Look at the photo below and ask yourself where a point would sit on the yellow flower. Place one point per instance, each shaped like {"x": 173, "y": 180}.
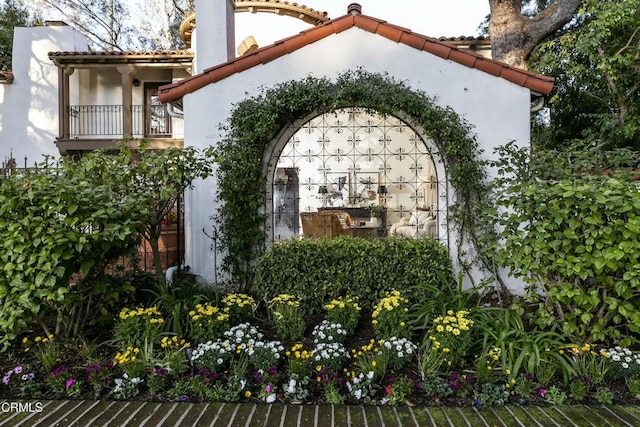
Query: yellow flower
{"x": 247, "y": 393}
{"x": 373, "y": 363}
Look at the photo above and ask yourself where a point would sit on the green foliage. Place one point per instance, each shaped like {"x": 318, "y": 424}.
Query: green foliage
{"x": 58, "y": 222}
{"x": 595, "y": 63}
{"x": 603, "y": 396}
{"x": 320, "y": 269}
{"x": 574, "y": 238}
{"x": 160, "y": 178}
{"x": 288, "y": 316}
{"x": 518, "y": 346}
{"x": 256, "y": 122}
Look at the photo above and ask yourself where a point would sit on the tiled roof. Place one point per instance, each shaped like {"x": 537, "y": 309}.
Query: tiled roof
{"x": 122, "y": 56}
{"x": 532, "y": 81}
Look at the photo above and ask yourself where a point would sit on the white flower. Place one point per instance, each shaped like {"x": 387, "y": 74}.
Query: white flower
{"x": 625, "y": 365}
{"x": 383, "y": 401}
{"x": 219, "y": 361}
{"x": 358, "y": 394}
{"x": 292, "y": 386}
{"x": 136, "y": 380}
{"x": 271, "y": 398}
{"x": 370, "y": 375}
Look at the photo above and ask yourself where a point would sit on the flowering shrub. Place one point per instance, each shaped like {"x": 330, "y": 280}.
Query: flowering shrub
{"x": 297, "y": 387}
{"x": 265, "y": 354}
{"x": 332, "y": 355}
{"x": 126, "y": 387}
{"x": 369, "y": 358}
{"x": 138, "y": 327}
{"x": 389, "y": 316}
{"x": 299, "y": 361}
{"x": 623, "y": 363}
{"x": 208, "y": 322}
{"x": 98, "y": 376}
{"x": 451, "y": 336}
{"x": 174, "y": 358}
{"x": 60, "y": 381}
{"x": 328, "y": 332}
{"x": 363, "y": 387}
{"x": 45, "y": 348}
{"x": 239, "y": 307}
{"x": 345, "y": 311}
{"x": 130, "y": 362}
{"x": 22, "y": 382}
{"x": 267, "y": 380}
{"x": 242, "y": 341}
{"x": 398, "y": 390}
{"x": 287, "y": 316}
{"x": 398, "y": 352}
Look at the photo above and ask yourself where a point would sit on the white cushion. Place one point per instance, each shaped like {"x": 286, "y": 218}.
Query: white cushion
{"x": 420, "y": 217}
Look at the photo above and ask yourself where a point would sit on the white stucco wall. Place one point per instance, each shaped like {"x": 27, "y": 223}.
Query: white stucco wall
{"x": 497, "y": 108}
{"x": 29, "y": 106}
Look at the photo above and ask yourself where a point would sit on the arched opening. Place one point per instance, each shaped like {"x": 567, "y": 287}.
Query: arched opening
{"x": 359, "y": 162}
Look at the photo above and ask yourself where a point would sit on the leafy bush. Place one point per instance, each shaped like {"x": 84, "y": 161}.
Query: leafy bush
{"x": 57, "y": 222}
{"x": 574, "y": 238}
{"x": 321, "y": 269}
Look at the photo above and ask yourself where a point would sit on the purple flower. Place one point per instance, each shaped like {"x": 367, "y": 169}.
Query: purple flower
{"x": 542, "y": 392}
{"x": 268, "y": 388}
{"x": 272, "y": 370}
{"x": 70, "y": 383}
{"x": 17, "y": 369}
{"x": 31, "y": 376}
{"x": 183, "y": 398}
{"x": 6, "y": 379}
{"x": 478, "y": 403}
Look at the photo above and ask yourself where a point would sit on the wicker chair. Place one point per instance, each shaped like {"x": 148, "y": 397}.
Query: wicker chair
{"x": 325, "y": 224}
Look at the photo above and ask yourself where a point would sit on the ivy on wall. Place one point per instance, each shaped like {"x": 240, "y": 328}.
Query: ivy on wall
{"x": 256, "y": 122}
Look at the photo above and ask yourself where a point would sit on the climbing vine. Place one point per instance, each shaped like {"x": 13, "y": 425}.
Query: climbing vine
{"x": 256, "y": 122}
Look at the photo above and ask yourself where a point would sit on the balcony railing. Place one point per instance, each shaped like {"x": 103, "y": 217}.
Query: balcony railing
{"x": 91, "y": 121}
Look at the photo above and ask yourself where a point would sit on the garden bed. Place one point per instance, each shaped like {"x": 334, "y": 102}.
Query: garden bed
{"x": 119, "y": 365}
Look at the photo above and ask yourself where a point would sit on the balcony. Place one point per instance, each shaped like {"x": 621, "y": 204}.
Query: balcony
{"x": 93, "y": 127}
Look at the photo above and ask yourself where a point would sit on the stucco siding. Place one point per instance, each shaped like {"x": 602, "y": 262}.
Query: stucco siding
{"x": 498, "y": 109}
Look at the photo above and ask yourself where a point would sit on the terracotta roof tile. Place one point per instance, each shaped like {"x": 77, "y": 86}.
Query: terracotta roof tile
{"x": 438, "y": 47}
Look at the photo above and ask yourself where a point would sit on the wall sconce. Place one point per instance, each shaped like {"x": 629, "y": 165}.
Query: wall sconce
{"x": 135, "y": 82}
{"x": 322, "y": 191}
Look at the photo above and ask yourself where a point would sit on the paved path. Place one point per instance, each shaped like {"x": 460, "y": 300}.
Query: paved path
{"x": 83, "y": 413}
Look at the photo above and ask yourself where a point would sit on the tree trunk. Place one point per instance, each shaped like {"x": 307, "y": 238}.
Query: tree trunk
{"x": 514, "y": 35}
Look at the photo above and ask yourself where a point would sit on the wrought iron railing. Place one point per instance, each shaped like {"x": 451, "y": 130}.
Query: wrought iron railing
{"x": 87, "y": 121}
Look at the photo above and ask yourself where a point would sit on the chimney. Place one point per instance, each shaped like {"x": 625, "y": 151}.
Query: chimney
{"x": 213, "y": 40}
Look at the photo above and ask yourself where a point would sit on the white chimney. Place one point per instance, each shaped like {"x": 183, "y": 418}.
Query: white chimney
{"x": 213, "y": 40}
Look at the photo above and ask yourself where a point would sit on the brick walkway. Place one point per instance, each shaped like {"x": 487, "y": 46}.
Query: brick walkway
{"x": 83, "y": 413}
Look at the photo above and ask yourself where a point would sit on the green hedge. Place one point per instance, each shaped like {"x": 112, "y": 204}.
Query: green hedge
{"x": 322, "y": 269}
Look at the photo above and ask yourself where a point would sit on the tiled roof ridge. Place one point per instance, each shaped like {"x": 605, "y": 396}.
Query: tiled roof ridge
{"x": 535, "y": 82}
{"x": 122, "y": 53}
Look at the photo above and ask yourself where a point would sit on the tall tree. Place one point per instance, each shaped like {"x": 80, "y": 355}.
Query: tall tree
{"x": 13, "y": 13}
{"x": 515, "y": 31}
{"x": 124, "y": 25}
{"x": 104, "y": 22}
{"x": 596, "y": 62}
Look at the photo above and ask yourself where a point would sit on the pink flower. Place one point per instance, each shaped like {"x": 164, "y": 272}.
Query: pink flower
{"x": 388, "y": 389}
{"x": 543, "y": 392}
{"x": 70, "y": 383}
{"x": 268, "y": 389}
